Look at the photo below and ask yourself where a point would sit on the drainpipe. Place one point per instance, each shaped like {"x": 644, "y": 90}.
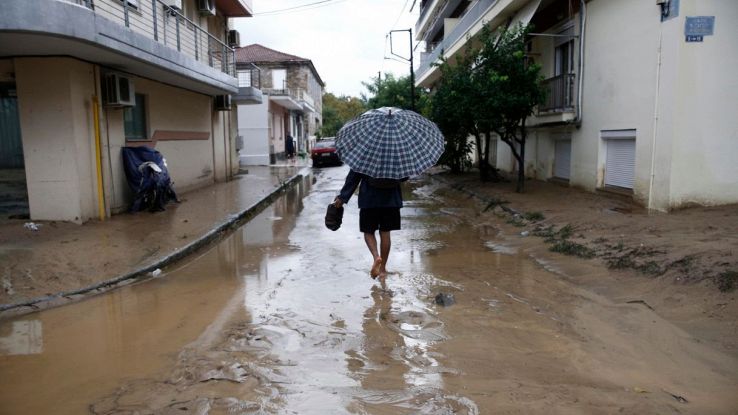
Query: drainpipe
{"x": 582, "y": 27}
{"x": 655, "y": 124}
{"x": 98, "y": 152}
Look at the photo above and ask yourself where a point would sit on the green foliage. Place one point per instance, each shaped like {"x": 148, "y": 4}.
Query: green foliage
{"x": 533, "y": 216}
{"x": 394, "y": 92}
{"x": 727, "y": 281}
{"x": 491, "y": 89}
{"x": 337, "y": 111}
{"x": 568, "y": 247}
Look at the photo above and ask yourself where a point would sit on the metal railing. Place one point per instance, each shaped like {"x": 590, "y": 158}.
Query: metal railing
{"x": 168, "y": 26}
{"x": 298, "y": 94}
{"x": 248, "y": 75}
{"x": 466, "y": 21}
{"x": 559, "y": 93}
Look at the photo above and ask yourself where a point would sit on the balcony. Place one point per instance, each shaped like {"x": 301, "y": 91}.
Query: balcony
{"x": 466, "y": 21}
{"x": 249, "y": 85}
{"x": 293, "y": 99}
{"x": 559, "y": 94}
{"x": 151, "y": 40}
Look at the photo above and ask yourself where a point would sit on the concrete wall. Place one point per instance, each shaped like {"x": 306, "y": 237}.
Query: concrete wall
{"x": 55, "y": 111}
{"x": 253, "y": 126}
{"x": 191, "y": 163}
{"x": 699, "y": 99}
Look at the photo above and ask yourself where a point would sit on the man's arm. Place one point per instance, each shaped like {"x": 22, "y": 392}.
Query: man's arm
{"x": 349, "y": 187}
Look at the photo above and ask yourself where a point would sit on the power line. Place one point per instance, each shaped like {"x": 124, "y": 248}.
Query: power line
{"x": 303, "y": 7}
{"x": 399, "y": 15}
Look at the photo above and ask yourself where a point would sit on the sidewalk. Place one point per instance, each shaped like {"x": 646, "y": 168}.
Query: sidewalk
{"x": 63, "y": 260}
{"x": 695, "y": 245}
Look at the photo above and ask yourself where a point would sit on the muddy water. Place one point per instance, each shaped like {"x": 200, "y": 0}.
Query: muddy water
{"x": 282, "y": 317}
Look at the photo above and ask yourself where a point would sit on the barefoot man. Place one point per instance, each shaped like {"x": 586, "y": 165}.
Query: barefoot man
{"x": 380, "y": 201}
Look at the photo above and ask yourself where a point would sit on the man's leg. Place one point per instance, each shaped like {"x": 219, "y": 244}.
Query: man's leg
{"x": 385, "y": 245}
{"x": 371, "y": 243}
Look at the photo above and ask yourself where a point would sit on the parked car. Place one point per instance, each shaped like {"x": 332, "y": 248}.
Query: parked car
{"x": 324, "y": 153}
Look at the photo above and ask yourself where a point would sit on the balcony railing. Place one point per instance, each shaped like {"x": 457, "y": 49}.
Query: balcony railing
{"x": 559, "y": 93}
{"x": 166, "y": 25}
{"x": 249, "y": 76}
{"x": 470, "y": 16}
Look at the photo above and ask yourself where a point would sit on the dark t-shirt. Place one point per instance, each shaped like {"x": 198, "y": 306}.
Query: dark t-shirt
{"x": 370, "y": 196}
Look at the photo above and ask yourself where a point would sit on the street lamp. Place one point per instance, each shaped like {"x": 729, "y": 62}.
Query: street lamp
{"x": 412, "y": 73}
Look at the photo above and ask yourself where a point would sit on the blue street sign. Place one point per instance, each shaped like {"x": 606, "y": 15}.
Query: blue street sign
{"x": 699, "y": 26}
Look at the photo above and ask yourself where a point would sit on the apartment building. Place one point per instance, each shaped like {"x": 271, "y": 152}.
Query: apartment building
{"x": 641, "y": 94}
{"x": 80, "y": 79}
{"x": 293, "y": 105}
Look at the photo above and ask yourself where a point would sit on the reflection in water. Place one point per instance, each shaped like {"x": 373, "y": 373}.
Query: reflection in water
{"x": 26, "y": 337}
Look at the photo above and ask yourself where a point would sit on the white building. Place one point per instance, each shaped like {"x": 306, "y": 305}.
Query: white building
{"x": 81, "y": 79}
{"x": 642, "y": 94}
{"x": 293, "y": 107}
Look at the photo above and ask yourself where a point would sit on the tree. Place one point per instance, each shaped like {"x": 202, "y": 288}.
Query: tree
{"x": 395, "y": 92}
{"x": 451, "y": 109}
{"x": 509, "y": 88}
{"x": 337, "y": 111}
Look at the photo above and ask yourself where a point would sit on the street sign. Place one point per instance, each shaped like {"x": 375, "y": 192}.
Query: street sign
{"x": 699, "y": 26}
{"x": 693, "y": 38}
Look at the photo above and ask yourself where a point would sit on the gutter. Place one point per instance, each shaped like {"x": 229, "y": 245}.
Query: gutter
{"x": 580, "y": 87}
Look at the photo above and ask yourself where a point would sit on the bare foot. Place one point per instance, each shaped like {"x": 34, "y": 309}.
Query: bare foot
{"x": 376, "y": 268}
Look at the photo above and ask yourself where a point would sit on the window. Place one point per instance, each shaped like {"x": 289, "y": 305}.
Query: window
{"x": 565, "y": 58}
{"x": 134, "y": 120}
{"x": 279, "y": 78}
{"x": 244, "y": 78}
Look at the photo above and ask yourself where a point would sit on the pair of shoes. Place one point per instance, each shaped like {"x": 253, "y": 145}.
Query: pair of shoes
{"x": 376, "y": 268}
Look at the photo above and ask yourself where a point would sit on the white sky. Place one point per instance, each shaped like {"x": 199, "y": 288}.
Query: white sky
{"x": 345, "y": 39}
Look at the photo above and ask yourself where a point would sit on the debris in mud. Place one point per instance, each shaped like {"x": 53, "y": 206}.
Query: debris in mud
{"x": 31, "y": 226}
{"x": 679, "y": 399}
{"x": 641, "y": 302}
{"x": 524, "y": 233}
{"x": 155, "y": 273}
{"x": 445, "y": 299}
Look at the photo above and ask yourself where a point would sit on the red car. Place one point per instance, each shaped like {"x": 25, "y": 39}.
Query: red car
{"x": 324, "y": 153}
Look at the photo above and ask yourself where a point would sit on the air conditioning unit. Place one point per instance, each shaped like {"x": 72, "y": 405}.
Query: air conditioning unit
{"x": 234, "y": 38}
{"x": 206, "y": 7}
{"x": 222, "y": 102}
{"x": 174, "y": 4}
{"x": 118, "y": 91}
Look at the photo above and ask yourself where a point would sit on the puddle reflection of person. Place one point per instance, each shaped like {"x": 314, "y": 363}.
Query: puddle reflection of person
{"x": 380, "y": 201}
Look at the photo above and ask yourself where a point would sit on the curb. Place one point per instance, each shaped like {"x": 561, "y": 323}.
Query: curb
{"x": 463, "y": 189}
{"x": 144, "y": 273}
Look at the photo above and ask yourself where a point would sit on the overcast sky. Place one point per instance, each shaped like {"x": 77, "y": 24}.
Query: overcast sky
{"x": 345, "y": 39}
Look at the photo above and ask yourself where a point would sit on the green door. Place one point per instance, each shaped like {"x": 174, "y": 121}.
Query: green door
{"x": 11, "y": 147}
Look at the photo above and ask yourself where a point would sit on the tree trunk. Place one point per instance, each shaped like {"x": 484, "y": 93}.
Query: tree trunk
{"x": 521, "y": 160}
{"x": 478, "y": 138}
{"x": 484, "y": 166}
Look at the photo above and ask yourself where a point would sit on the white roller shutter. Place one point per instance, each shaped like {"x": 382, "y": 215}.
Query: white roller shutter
{"x": 562, "y": 159}
{"x": 620, "y": 163}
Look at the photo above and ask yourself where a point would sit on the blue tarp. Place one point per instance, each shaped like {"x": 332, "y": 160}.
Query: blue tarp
{"x": 151, "y": 186}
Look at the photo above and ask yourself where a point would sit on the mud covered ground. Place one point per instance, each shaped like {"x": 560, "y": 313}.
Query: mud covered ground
{"x": 282, "y": 317}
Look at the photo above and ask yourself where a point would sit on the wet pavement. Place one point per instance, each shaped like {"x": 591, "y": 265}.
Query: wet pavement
{"x": 282, "y": 317}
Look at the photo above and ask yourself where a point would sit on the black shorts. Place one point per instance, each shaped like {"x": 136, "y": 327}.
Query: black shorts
{"x": 384, "y": 219}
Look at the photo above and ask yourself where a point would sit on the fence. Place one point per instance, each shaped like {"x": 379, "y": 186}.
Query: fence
{"x": 166, "y": 25}
{"x": 559, "y": 93}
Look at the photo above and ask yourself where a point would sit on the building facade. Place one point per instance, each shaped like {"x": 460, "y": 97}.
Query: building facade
{"x": 293, "y": 107}
{"x": 82, "y": 79}
{"x": 641, "y": 97}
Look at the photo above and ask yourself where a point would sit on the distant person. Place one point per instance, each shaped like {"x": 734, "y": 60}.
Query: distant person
{"x": 380, "y": 201}
{"x": 289, "y": 145}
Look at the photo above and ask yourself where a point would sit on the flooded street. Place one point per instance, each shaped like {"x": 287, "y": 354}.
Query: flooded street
{"x": 282, "y": 317}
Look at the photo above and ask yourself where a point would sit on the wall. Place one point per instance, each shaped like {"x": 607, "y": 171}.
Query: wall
{"x": 172, "y": 110}
{"x": 54, "y": 99}
{"x": 701, "y": 76}
{"x": 253, "y": 126}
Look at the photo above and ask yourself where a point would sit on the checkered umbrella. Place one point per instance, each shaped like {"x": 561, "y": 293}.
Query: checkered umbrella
{"x": 390, "y": 143}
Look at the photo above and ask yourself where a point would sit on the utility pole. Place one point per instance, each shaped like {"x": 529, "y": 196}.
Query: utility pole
{"x": 412, "y": 72}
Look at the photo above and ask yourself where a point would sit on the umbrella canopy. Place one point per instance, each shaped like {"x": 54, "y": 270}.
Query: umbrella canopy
{"x": 390, "y": 143}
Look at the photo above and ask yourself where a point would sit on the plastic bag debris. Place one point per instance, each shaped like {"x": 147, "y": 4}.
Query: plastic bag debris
{"x": 31, "y": 226}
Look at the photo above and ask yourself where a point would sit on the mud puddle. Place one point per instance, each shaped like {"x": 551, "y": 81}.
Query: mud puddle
{"x": 282, "y": 318}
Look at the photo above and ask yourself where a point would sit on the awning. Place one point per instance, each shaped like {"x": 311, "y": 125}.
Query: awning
{"x": 525, "y": 14}
{"x": 285, "y": 101}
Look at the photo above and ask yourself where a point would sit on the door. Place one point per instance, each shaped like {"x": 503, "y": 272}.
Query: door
{"x": 14, "y": 200}
{"x": 562, "y": 159}
{"x": 11, "y": 146}
{"x": 620, "y": 163}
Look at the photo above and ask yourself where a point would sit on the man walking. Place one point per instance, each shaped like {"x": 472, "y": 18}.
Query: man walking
{"x": 380, "y": 201}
